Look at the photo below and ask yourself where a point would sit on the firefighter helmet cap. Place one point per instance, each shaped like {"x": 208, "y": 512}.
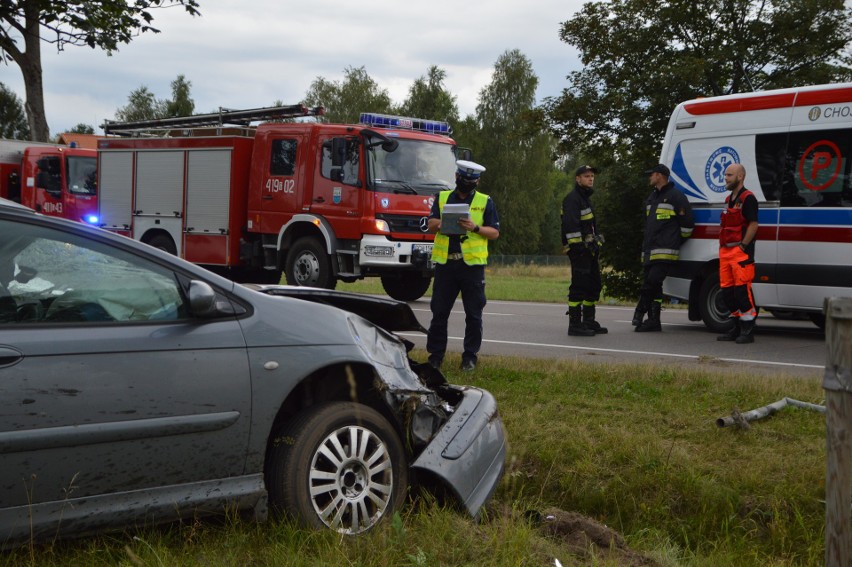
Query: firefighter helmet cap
{"x": 584, "y": 168}
{"x": 659, "y": 168}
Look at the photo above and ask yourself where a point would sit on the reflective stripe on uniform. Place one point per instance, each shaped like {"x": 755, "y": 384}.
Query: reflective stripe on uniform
{"x": 574, "y": 237}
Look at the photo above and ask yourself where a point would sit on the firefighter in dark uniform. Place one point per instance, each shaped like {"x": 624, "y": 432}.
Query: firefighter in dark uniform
{"x": 668, "y": 223}
{"x": 582, "y": 243}
{"x": 736, "y": 255}
{"x": 460, "y": 261}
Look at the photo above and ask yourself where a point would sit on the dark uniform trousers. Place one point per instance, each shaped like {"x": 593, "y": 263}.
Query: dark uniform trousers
{"x": 451, "y": 278}
{"x": 652, "y": 285}
{"x": 585, "y": 275}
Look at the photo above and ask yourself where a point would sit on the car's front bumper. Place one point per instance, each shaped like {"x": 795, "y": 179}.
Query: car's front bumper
{"x": 469, "y": 451}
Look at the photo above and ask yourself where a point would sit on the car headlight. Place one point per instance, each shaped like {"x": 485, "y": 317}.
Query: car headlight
{"x": 379, "y": 345}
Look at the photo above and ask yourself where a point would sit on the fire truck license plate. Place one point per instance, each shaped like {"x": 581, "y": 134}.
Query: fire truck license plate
{"x": 425, "y": 249}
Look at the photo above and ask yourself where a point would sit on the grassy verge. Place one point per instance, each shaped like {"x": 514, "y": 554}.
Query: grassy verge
{"x": 632, "y": 447}
{"x": 544, "y": 284}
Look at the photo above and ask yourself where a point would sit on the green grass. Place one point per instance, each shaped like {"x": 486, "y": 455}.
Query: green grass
{"x": 542, "y": 284}
{"x": 633, "y": 447}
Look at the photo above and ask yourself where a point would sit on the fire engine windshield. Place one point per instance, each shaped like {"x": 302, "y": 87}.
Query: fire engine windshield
{"x": 415, "y": 167}
{"x": 82, "y": 175}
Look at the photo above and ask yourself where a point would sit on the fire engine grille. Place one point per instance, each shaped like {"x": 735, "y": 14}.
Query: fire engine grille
{"x": 405, "y": 223}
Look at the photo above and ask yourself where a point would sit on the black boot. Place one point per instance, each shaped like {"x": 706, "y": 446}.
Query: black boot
{"x": 652, "y": 323}
{"x": 589, "y": 320}
{"x": 733, "y": 333}
{"x": 639, "y": 314}
{"x": 746, "y": 332}
{"x": 575, "y": 324}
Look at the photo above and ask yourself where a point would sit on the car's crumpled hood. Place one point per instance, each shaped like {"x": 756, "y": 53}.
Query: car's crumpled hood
{"x": 389, "y": 314}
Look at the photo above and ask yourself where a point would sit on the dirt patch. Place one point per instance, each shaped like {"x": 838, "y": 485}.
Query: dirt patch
{"x": 586, "y": 537}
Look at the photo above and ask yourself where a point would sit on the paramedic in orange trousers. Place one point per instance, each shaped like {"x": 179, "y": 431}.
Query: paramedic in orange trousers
{"x": 736, "y": 255}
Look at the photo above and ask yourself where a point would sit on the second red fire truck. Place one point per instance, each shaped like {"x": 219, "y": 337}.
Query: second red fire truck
{"x": 53, "y": 179}
{"x": 317, "y": 202}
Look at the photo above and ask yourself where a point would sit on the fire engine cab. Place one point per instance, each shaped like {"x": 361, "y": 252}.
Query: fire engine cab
{"x": 54, "y": 179}
{"x": 795, "y": 145}
{"x": 319, "y": 202}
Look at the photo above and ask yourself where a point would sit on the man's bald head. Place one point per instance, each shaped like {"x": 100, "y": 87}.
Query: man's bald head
{"x": 734, "y": 176}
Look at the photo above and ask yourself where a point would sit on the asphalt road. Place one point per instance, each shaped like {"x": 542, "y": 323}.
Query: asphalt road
{"x": 539, "y": 330}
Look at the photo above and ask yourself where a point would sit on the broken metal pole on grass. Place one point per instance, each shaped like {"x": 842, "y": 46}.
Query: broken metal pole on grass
{"x": 759, "y": 413}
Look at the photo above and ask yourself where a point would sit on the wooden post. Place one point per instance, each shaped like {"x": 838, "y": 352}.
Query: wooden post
{"x": 837, "y": 383}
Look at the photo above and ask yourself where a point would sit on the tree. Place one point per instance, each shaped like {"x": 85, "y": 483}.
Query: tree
{"x": 344, "y": 101}
{"x": 104, "y": 24}
{"x": 429, "y": 99}
{"x": 142, "y": 104}
{"x": 181, "y": 103}
{"x": 641, "y": 58}
{"x": 13, "y": 120}
{"x": 82, "y": 128}
{"x": 516, "y": 148}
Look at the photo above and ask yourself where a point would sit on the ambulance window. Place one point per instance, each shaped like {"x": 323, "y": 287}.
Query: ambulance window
{"x": 283, "y": 159}
{"x": 771, "y": 156}
{"x": 818, "y": 168}
{"x": 350, "y": 166}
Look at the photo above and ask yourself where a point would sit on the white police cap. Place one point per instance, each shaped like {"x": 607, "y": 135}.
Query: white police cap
{"x": 469, "y": 169}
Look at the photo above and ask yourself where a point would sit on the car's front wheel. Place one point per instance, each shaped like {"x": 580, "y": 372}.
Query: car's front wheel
{"x": 339, "y": 465}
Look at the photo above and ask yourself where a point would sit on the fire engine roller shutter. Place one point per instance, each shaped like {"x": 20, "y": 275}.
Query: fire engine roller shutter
{"x": 159, "y": 183}
{"x": 116, "y": 188}
{"x": 208, "y": 191}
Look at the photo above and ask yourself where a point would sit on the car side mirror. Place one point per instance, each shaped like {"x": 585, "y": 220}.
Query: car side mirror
{"x": 202, "y": 299}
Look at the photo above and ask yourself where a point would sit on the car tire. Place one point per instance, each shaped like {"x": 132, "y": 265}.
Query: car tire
{"x": 315, "y": 474}
{"x": 714, "y": 312}
{"x": 309, "y": 265}
{"x": 406, "y": 286}
{"x": 163, "y": 242}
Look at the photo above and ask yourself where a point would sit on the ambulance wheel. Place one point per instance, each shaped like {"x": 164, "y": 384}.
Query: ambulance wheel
{"x": 309, "y": 265}
{"x": 714, "y": 312}
{"x": 406, "y": 286}
{"x": 164, "y": 242}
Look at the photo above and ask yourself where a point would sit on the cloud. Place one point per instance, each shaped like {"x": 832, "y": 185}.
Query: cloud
{"x": 250, "y": 53}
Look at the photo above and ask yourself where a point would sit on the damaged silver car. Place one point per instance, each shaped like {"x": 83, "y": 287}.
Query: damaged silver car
{"x": 137, "y": 387}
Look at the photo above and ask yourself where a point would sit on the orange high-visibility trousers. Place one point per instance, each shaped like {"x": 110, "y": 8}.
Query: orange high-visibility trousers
{"x": 736, "y": 272}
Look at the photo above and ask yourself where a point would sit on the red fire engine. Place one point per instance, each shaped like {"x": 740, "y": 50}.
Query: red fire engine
{"x": 53, "y": 179}
{"x": 318, "y": 202}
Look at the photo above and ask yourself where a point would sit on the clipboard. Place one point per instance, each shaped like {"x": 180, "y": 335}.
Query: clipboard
{"x": 450, "y": 217}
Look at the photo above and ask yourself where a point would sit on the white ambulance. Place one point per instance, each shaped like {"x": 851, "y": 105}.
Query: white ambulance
{"x": 795, "y": 145}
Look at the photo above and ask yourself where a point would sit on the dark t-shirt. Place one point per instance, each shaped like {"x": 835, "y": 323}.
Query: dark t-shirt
{"x": 490, "y": 217}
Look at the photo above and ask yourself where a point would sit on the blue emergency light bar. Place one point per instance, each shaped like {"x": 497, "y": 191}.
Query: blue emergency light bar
{"x": 403, "y": 123}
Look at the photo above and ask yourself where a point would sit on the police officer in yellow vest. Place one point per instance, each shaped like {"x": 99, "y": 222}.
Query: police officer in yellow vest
{"x": 460, "y": 261}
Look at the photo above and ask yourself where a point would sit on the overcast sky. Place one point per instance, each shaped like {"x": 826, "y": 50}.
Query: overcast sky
{"x": 249, "y": 53}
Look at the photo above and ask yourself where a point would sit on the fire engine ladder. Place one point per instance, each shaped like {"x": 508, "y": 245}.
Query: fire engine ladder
{"x": 224, "y": 117}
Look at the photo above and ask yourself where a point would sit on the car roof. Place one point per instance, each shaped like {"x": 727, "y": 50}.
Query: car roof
{"x": 6, "y": 203}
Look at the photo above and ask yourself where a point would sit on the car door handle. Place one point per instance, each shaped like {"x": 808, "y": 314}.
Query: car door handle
{"x": 9, "y": 356}
{"x": 319, "y": 200}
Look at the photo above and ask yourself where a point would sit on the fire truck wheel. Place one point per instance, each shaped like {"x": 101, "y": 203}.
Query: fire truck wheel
{"x": 309, "y": 265}
{"x": 714, "y": 312}
{"x": 406, "y": 286}
{"x": 164, "y": 242}
{"x": 338, "y": 465}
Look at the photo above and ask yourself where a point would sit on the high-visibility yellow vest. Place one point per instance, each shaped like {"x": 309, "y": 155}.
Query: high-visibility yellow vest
{"x": 475, "y": 247}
